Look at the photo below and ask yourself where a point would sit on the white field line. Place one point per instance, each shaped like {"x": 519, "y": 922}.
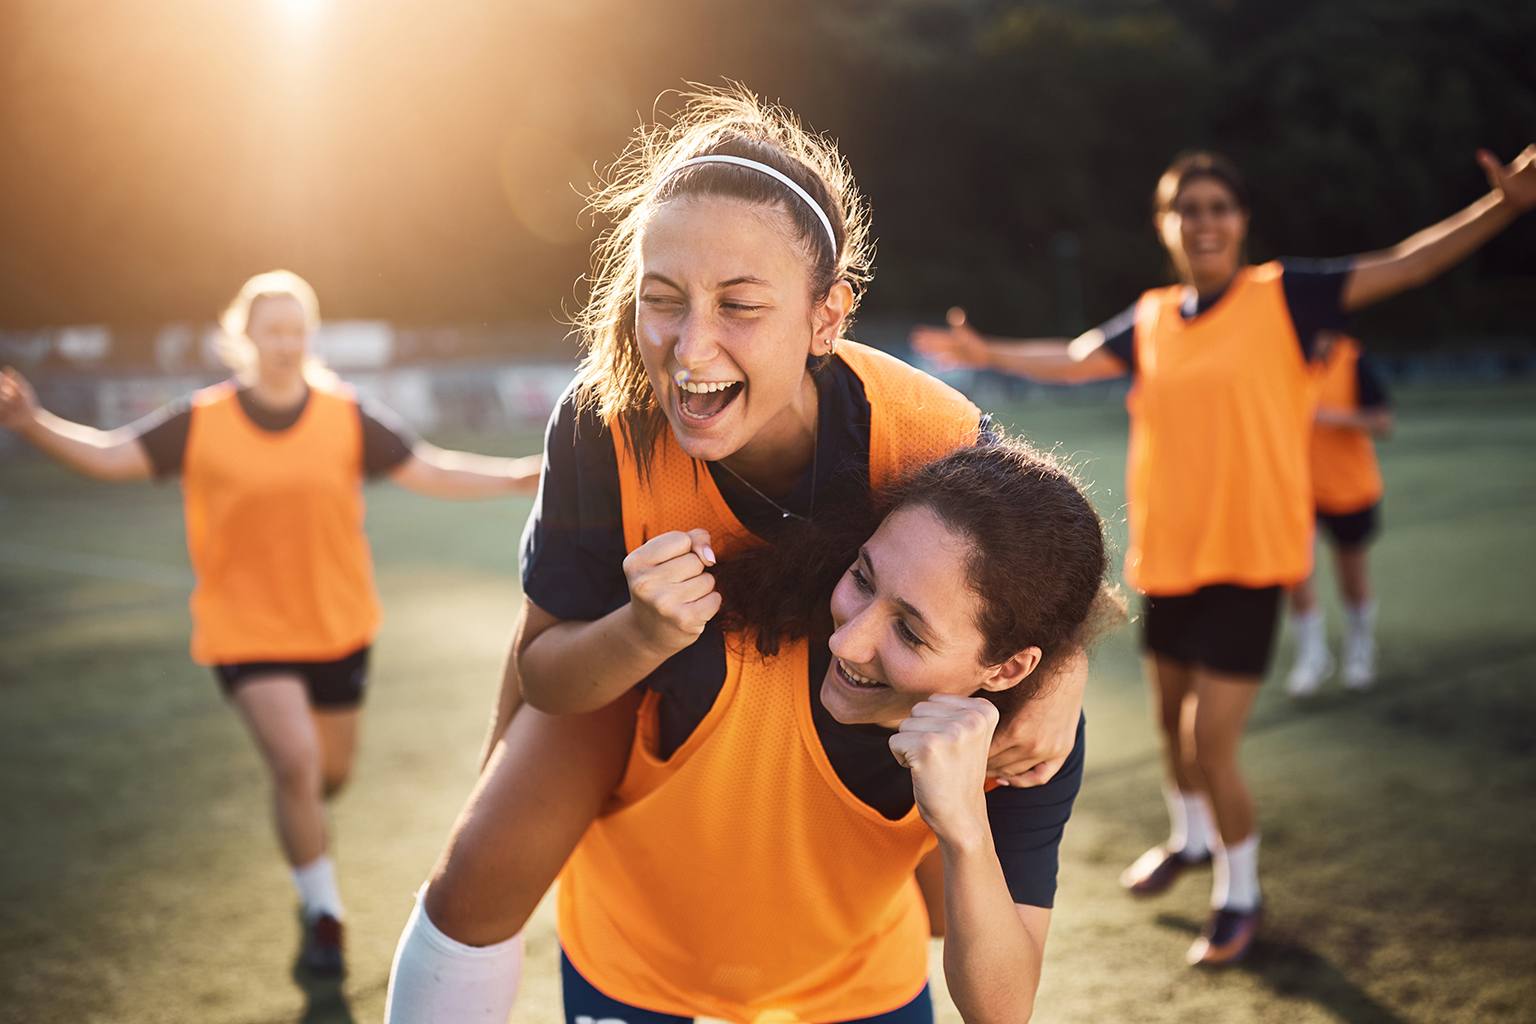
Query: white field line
{"x": 105, "y": 567}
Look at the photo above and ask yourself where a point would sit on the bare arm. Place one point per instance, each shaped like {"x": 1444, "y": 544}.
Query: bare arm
{"x": 464, "y": 476}
{"x": 1377, "y": 421}
{"x": 571, "y": 667}
{"x": 1422, "y": 257}
{"x": 111, "y": 455}
{"x": 993, "y": 947}
{"x": 1050, "y": 360}
{"x": 1035, "y": 742}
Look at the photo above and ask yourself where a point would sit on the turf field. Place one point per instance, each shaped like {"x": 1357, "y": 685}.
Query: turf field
{"x": 139, "y": 879}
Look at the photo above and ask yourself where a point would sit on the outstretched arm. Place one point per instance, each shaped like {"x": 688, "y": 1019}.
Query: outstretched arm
{"x": 464, "y": 476}
{"x": 1050, "y": 360}
{"x": 993, "y": 947}
{"x": 110, "y": 455}
{"x": 1422, "y": 257}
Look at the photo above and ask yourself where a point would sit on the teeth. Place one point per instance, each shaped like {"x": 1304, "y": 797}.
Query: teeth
{"x": 705, "y": 387}
{"x": 851, "y": 674}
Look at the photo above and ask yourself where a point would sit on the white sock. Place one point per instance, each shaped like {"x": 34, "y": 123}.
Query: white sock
{"x": 316, "y": 882}
{"x": 1311, "y": 633}
{"x": 1236, "y": 871}
{"x": 437, "y": 980}
{"x": 1189, "y": 819}
{"x": 1362, "y": 618}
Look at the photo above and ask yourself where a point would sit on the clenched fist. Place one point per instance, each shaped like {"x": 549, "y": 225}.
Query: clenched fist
{"x": 671, "y": 595}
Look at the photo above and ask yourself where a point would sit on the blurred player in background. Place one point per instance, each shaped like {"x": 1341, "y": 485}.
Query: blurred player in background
{"x": 1352, "y": 409}
{"x": 271, "y": 465}
{"x": 1218, "y": 494}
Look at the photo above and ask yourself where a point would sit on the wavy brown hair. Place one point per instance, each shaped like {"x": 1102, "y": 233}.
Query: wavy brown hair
{"x": 1036, "y": 559}
{"x": 729, "y": 122}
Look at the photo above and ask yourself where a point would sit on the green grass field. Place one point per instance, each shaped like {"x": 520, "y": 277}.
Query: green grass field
{"x": 140, "y": 881}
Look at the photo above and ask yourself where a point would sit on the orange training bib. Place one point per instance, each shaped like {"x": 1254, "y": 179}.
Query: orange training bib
{"x": 1218, "y": 482}
{"x": 740, "y": 878}
{"x": 1345, "y": 476}
{"x": 275, "y": 532}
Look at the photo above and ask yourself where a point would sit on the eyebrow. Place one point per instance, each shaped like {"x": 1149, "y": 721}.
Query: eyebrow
{"x": 744, "y": 279}
{"x": 905, "y": 606}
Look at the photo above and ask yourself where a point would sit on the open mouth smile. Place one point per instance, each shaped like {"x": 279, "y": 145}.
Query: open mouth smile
{"x": 854, "y": 680}
{"x": 704, "y": 400}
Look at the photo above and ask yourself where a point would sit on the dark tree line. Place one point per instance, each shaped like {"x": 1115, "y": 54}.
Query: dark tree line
{"x": 417, "y": 159}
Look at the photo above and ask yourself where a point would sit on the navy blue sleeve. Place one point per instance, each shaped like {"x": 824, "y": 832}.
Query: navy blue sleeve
{"x": 573, "y": 546}
{"x": 387, "y": 439}
{"x": 163, "y": 436}
{"x": 1027, "y": 825}
{"x": 1312, "y": 292}
{"x": 1120, "y": 337}
{"x": 1370, "y": 389}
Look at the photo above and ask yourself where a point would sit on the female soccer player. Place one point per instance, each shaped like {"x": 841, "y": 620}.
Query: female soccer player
{"x": 760, "y": 866}
{"x": 714, "y": 342}
{"x": 1219, "y": 498}
{"x": 1352, "y": 409}
{"x": 271, "y": 466}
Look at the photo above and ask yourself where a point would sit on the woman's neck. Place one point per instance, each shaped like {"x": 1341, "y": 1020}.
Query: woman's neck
{"x": 778, "y": 456}
{"x": 281, "y": 393}
{"x": 1210, "y": 285}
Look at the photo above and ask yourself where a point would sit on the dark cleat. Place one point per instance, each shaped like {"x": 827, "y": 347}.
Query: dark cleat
{"x": 321, "y": 955}
{"x": 1227, "y": 938}
{"x": 1157, "y": 869}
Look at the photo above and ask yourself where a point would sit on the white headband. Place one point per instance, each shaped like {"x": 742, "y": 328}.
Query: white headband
{"x": 739, "y": 161}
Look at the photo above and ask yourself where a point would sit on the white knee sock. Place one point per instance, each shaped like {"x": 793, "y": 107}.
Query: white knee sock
{"x": 436, "y": 980}
{"x": 1362, "y": 619}
{"x": 1236, "y": 871}
{"x": 1189, "y": 818}
{"x": 316, "y": 882}
{"x": 1311, "y": 634}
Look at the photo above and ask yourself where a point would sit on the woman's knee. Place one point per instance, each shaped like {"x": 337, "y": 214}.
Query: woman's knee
{"x": 335, "y": 780}
{"x": 297, "y": 773}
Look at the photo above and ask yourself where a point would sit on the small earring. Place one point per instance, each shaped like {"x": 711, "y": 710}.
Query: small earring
{"x": 832, "y": 345}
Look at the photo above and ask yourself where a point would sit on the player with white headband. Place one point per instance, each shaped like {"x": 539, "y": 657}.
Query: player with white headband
{"x": 717, "y": 387}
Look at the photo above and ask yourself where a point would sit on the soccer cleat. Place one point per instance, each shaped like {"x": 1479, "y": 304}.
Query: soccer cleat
{"x": 1313, "y": 666}
{"x": 1157, "y": 869}
{"x": 1227, "y": 937}
{"x": 321, "y": 955}
{"x": 1359, "y": 661}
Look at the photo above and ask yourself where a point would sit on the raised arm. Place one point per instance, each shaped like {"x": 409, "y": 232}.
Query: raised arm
{"x": 464, "y": 476}
{"x": 110, "y": 455}
{"x": 993, "y": 947}
{"x": 1049, "y": 360}
{"x": 1422, "y": 257}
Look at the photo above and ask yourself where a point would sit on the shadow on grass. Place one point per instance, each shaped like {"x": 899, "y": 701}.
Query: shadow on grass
{"x": 1295, "y": 971}
{"x": 324, "y": 1000}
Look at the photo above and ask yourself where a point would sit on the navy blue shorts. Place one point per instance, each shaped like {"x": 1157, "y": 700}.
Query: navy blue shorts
{"x": 584, "y": 1004}
{"x": 1354, "y": 530}
{"x": 1223, "y": 627}
{"x": 333, "y": 685}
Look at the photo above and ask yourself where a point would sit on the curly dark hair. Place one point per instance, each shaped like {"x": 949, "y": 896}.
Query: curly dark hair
{"x": 1037, "y": 559}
